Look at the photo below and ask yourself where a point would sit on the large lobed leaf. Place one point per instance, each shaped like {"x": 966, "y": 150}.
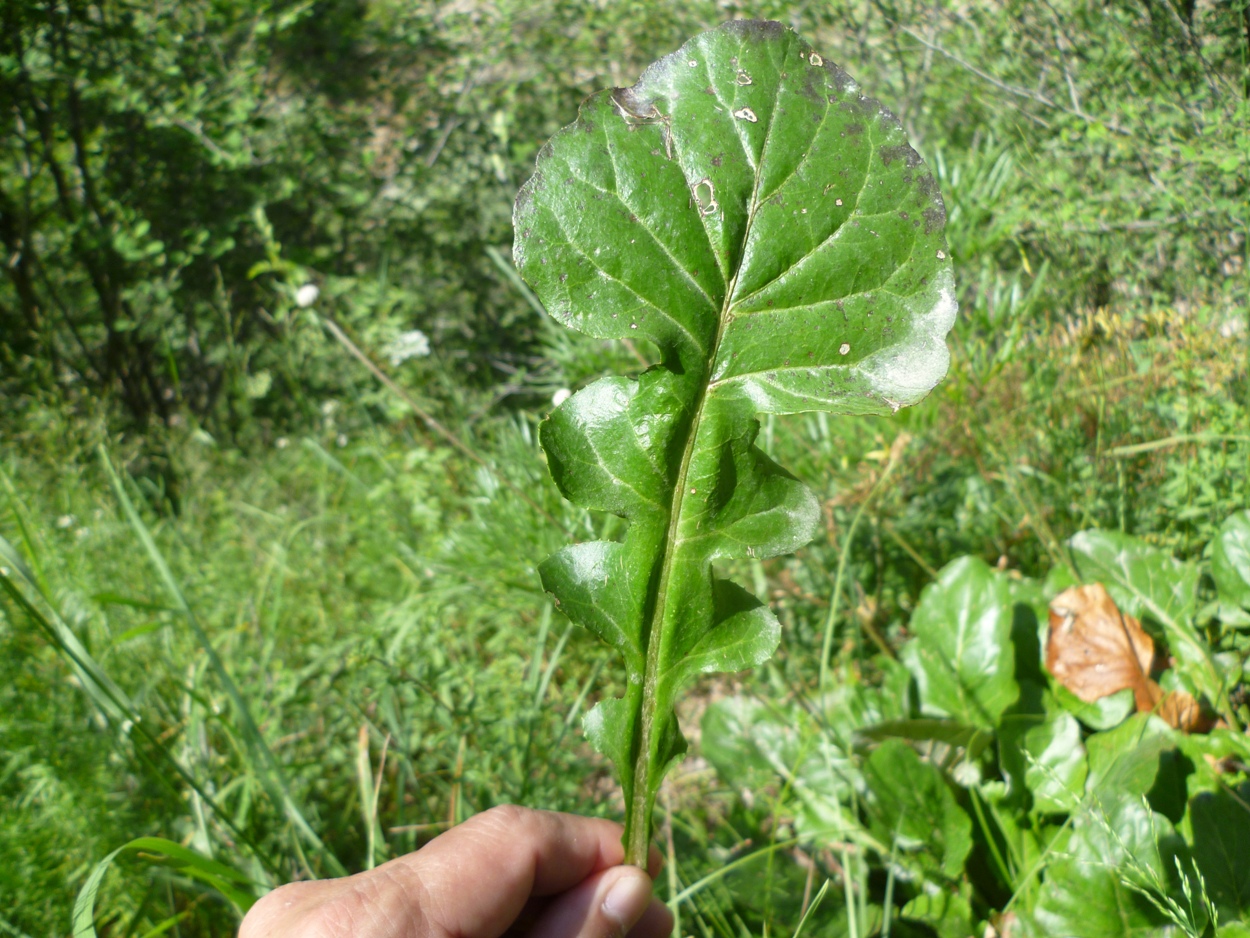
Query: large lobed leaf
{"x": 1230, "y": 560}
{"x": 962, "y": 654}
{"x": 913, "y": 807}
{"x": 1088, "y": 891}
{"x": 746, "y": 209}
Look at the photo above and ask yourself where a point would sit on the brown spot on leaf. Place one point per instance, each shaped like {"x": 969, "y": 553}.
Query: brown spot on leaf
{"x": 902, "y": 152}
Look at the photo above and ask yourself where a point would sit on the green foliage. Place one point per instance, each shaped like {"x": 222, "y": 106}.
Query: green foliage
{"x": 913, "y": 807}
{"x": 217, "y": 876}
{"x": 962, "y": 655}
{"x": 669, "y": 214}
{"x": 1230, "y": 563}
{"x": 1085, "y": 892}
{"x": 350, "y": 570}
{"x": 1221, "y": 833}
{"x": 1111, "y": 829}
{"x": 335, "y": 601}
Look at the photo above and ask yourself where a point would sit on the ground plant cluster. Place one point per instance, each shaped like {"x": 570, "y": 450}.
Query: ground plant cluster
{"x": 290, "y": 417}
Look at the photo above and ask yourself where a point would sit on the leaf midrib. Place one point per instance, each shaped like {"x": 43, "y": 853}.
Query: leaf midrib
{"x": 637, "y": 849}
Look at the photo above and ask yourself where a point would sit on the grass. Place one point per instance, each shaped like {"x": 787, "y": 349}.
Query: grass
{"x": 260, "y": 634}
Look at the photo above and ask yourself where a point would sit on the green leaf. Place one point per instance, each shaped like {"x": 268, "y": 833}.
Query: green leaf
{"x": 1220, "y": 824}
{"x": 1101, "y": 714}
{"x": 1230, "y": 560}
{"x": 962, "y": 654}
{"x": 739, "y": 739}
{"x": 948, "y": 913}
{"x": 1125, "y": 760}
{"x": 1147, "y": 582}
{"x": 753, "y": 745}
{"x": 1057, "y": 765}
{"x": 1085, "y": 894}
{"x": 954, "y": 734}
{"x": 767, "y": 227}
{"x": 229, "y": 882}
{"x": 914, "y": 808}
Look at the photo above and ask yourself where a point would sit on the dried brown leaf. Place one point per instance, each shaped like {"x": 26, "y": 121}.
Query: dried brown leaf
{"x": 1095, "y": 650}
{"x": 1181, "y": 712}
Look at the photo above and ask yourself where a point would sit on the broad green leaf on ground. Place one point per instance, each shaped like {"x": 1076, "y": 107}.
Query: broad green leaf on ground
{"x": 1125, "y": 760}
{"x": 1028, "y": 626}
{"x": 961, "y": 653}
{"x": 1230, "y": 560}
{"x": 913, "y": 807}
{"x": 1057, "y": 766}
{"x": 1146, "y": 582}
{"x": 947, "y": 912}
{"x": 740, "y": 736}
{"x": 1102, "y": 714}
{"x": 1030, "y": 711}
{"x": 956, "y": 746}
{"x": 752, "y": 743}
{"x": 746, "y": 209}
{"x": 1084, "y": 894}
{"x": 926, "y": 729}
{"x": 1143, "y": 580}
{"x": 1220, "y": 826}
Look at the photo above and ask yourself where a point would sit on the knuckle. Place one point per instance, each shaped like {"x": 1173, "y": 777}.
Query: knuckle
{"x": 504, "y": 817}
{"x": 310, "y": 910}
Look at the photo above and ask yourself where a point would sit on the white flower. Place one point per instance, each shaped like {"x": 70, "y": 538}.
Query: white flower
{"x": 66, "y": 521}
{"x": 307, "y": 294}
{"x": 411, "y": 344}
{"x": 560, "y": 397}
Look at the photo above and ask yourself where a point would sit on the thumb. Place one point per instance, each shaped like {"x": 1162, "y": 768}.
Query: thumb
{"x": 606, "y": 905}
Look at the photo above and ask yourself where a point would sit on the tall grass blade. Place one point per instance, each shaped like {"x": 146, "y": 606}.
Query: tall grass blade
{"x": 229, "y": 882}
{"x": 272, "y": 777}
{"x": 811, "y": 909}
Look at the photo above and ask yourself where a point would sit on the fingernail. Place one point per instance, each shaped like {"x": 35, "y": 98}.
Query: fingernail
{"x": 627, "y": 899}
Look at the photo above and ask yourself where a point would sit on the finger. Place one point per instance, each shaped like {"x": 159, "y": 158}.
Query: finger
{"x": 512, "y": 854}
{"x": 656, "y": 922}
{"x": 607, "y": 905}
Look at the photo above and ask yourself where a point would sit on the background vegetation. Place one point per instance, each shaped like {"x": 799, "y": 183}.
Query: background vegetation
{"x": 260, "y": 603}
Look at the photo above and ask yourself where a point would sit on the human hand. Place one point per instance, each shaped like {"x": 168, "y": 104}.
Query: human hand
{"x": 508, "y": 871}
